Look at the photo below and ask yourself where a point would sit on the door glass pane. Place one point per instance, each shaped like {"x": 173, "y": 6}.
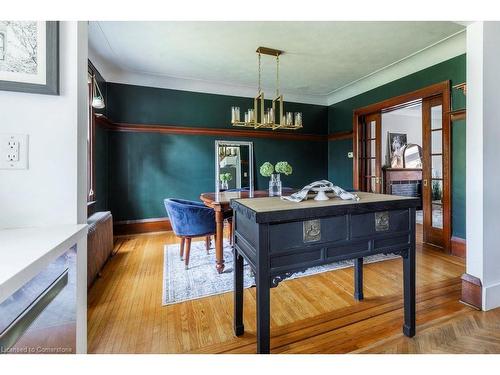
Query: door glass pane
{"x": 373, "y": 132}
{"x": 372, "y": 167}
{"x": 437, "y": 141}
{"x": 368, "y": 151}
{"x": 437, "y": 166}
{"x": 437, "y": 203}
{"x": 373, "y": 149}
{"x": 437, "y": 216}
{"x": 436, "y": 117}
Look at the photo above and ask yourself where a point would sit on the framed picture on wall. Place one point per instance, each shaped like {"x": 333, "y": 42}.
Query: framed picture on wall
{"x": 395, "y": 143}
{"x": 29, "y": 56}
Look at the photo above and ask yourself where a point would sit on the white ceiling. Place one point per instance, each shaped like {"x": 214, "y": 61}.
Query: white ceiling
{"x": 319, "y": 58}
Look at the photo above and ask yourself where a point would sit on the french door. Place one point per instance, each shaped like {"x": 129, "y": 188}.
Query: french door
{"x": 436, "y": 181}
{"x": 369, "y": 153}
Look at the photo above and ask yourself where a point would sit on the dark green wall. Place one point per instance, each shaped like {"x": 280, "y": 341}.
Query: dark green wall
{"x": 101, "y": 169}
{"x": 148, "y": 105}
{"x": 340, "y": 119}
{"x": 145, "y": 168}
{"x": 458, "y": 131}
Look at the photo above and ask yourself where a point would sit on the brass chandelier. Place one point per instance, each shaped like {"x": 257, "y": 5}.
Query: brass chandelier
{"x": 274, "y": 117}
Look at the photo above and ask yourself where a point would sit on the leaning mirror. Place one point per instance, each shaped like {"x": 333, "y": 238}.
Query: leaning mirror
{"x": 233, "y": 165}
{"x": 412, "y": 156}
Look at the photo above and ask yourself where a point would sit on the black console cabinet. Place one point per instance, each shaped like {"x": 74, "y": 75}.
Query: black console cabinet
{"x": 278, "y": 238}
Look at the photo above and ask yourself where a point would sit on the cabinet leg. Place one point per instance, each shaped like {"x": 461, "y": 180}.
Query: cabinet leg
{"x": 358, "y": 279}
{"x": 409, "y": 292}
{"x": 239, "y": 328}
{"x": 263, "y": 310}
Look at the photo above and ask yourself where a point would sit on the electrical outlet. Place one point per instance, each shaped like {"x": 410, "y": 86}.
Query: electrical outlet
{"x": 14, "y": 151}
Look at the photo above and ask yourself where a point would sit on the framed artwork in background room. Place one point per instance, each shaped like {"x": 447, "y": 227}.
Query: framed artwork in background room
{"x": 29, "y": 56}
{"x": 396, "y": 143}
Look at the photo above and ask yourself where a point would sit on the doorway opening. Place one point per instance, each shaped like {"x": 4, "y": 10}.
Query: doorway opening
{"x": 401, "y": 147}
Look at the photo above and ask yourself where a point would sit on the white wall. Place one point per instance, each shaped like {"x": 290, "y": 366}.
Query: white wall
{"x": 483, "y": 158}
{"x": 52, "y": 191}
{"x": 400, "y": 122}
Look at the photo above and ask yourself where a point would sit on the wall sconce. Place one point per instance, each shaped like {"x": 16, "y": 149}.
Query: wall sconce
{"x": 97, "y": 98}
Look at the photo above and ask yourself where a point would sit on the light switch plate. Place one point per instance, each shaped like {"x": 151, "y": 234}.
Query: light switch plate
{"x": 13, "y": 151}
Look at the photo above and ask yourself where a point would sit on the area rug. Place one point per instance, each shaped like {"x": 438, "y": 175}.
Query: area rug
{"x": 201, "y": 278}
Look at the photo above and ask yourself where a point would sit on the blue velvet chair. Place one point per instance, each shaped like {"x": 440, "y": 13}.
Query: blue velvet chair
{"x": 190, "y": 219}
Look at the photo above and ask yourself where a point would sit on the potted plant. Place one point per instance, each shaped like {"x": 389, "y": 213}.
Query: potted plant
{"x": 269, "y": 170}
{"x": 225, "y": 178}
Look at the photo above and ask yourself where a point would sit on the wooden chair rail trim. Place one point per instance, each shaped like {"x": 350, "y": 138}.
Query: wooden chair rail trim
{"x": 458, "y": 114}
{"x": 340, "y": 135}
{"x": 185, "y": 130}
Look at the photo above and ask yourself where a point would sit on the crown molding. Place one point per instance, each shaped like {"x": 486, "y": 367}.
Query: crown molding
{"x": 441, "y": 51}
{"x": 446, "y": 49}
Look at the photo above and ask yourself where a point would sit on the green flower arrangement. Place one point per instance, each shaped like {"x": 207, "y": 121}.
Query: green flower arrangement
{"x": 284, "y": 167}
{"x": 225, "y": 177}
{"x": 267, "y": 169}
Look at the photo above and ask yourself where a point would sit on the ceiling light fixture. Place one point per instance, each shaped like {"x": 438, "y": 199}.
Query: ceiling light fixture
{"x": 274, "y": 117}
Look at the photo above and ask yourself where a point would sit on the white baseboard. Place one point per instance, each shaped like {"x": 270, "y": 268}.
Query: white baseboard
{"x": 491, "y": 296}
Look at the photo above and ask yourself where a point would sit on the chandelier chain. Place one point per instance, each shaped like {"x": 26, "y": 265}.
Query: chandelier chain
{"x": 259, "y": 74}
{"x": 277, "y": 75}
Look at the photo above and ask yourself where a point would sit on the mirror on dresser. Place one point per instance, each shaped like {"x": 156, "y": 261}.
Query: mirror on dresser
{"x": 233, "y": 165}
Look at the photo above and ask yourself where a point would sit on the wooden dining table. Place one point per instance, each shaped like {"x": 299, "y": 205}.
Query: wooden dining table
{"x": 220, "y": 203}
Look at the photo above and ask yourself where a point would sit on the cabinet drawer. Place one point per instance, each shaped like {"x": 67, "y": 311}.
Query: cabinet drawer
{"x": 363, "y": 225}
{"x": 290, "y": 235}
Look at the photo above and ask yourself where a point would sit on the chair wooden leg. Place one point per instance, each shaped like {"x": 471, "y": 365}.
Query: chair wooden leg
{"x": 186, "y": 254}
{"x": 230, "y": 222}
{"x": 207, "y": 243}
{"x": 182, "y": 247}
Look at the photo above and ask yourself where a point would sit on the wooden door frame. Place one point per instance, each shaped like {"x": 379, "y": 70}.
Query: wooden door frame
{"x": 378, "y": 147}
{"x": 441, "y": 88}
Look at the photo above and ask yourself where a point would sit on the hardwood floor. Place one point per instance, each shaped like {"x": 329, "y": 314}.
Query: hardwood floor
{"x": 314, "y": 314}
